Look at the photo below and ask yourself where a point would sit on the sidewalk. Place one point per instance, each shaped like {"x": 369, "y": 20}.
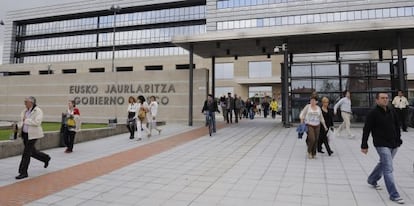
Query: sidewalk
{"x": 256, "y": 162}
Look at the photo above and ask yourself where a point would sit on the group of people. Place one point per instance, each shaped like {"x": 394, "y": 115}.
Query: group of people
{"x": 383, "y": 123}
{"x": 142, "y": 116}
{"x": 246, "y": 109}
{"x": 139, "y": 113}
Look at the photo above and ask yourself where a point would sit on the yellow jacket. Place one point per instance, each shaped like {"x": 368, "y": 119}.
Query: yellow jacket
{"x": 273, "y": 105}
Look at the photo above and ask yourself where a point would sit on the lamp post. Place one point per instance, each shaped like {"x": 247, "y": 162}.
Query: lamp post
{"x": 285, "y": 86}
{"x": 115, "y": 9}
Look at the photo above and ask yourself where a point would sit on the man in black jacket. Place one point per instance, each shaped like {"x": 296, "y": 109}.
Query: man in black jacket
{"x": 210, "y": 107}
{"x": 382, "y": 123}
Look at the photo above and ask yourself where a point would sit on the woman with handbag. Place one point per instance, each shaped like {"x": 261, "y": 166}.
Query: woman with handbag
{"x": 131, "y": 123}
{"x": 72, "y": 125}
{"x": 323, "y": 134}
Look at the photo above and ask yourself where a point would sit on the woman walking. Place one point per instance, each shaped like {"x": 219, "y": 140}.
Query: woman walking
{"x": 142, "y": 110}
{"x": 72, "y": 125}
{"x": 153, "y": 108}
{"x": 328, "y": 117}
{"x": 312, "y": 116}
{"x": 132, "y": 116}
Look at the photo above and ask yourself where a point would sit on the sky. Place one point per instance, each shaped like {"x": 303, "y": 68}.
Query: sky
{"x": 8, "y": 5}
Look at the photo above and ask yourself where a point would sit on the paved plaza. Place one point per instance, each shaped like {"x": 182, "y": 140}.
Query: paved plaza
{"x": 256, "y": 162}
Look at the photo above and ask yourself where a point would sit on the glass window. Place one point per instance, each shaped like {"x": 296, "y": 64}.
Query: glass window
{"x": 364, "y": 14}
{"x": 260, "y": 91}
{"x": 325, "y": 70}
{"x": 378, "y": 13}
{"x": 330, "y": 17}
{"x": 224, "y": 71}
{"x": 401, "y": 12}
{"x": 337, "y": 16}
{"x": 326, "y": 85}
{"x": 371, "y": 14}
{"x": 358, "y": 15}
{"x": 386, "y": 13}
{"x": 220, "y": 91}
{"x": 300, "y": 70}
{"x": 260, "y": 69}
{"x": 408, "y": 11}
{"x": 393, "y": 12}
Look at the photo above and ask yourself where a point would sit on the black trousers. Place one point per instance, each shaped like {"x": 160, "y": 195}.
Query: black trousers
{"x": 236, "y": 115}
{"x": 69, "y": 138}
{"x": 30, "y": 151}
{"x": 402, "y": 116}
{"x": 323, "y": 139}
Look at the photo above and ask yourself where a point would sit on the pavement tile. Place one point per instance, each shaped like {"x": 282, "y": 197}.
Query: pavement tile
{"x": 252, "y": 163}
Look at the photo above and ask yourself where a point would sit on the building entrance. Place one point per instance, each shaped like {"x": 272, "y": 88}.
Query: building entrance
{"x": 362, "y": 78}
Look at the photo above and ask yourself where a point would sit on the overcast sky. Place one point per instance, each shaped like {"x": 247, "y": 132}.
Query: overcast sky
{"x": 8, "y": 5}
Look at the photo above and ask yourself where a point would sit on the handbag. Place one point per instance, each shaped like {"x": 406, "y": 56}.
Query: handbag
{"x": 70, "y": 122}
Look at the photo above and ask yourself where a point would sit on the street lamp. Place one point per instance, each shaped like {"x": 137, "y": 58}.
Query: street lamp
{"x": 285, "y": 86}
{"x": 115, "y": 9}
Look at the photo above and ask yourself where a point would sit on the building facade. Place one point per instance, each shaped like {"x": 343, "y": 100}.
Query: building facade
{"x": 132, "y": 38}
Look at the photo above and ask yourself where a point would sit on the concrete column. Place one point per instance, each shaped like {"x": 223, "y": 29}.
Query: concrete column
{"x": 401, "y": 70}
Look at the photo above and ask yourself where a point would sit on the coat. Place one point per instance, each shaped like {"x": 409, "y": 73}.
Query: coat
{"x": 34, "y": 123}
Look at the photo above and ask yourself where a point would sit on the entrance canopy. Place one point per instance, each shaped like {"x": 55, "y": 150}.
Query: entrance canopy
{"x": 365, "y": 35}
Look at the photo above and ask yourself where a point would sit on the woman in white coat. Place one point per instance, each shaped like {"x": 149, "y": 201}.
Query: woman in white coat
{"x": 152, "y": 118}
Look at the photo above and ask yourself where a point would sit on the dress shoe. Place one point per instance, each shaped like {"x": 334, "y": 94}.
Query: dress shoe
{"x": 47, "y": 163}
{"x": 330, "y": 153}
{"x": 21, "y": 176}
{"x": 320, "y": 151}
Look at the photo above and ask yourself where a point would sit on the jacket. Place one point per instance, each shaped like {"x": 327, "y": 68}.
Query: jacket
{"x": 384, "y": 127}
{"x": 33, "y": 122}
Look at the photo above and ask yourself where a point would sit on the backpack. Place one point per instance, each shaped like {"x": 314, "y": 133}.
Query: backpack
{"x": 142, "y": 114}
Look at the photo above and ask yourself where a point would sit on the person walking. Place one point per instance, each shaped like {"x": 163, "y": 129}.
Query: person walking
{"x": 72, "y": 125}
{"x": 210, "y": 107}
{"x": 237, "y": 107}
{"x": 31, "y": 127}
{"x": 142, "y": 109}
{"x": 229, "y": 108}
{"x": 344, "y": 104}
{"x": 131, "y": 123}
{"x": 153, "y": 109}
{"x": 382, "y": 123}
{"x": 223, "y": 107}
{"x": 400, "y": 103}
{"x": 328, "y": 117}
{"x": 273, "y": 108}
{"x": 312, "y": 116}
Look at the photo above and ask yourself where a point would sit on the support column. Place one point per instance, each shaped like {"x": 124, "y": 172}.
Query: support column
{"x": 401, "y": 70}
{"x": 285, "y": 88}
{"x": 191, "y": 78}
{"x": 213, "y": 76}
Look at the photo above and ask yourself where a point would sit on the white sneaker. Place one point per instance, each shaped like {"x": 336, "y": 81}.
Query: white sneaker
{"x": 398, "y": 200}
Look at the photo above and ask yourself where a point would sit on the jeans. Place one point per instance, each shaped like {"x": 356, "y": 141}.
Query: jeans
{"x": 213, "y": 119}
{"x": 384, "y": 167}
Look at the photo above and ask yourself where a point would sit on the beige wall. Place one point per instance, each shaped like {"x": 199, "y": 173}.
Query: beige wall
{"x": 54, "y": 91}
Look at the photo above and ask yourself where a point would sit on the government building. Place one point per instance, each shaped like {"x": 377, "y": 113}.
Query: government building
{"x": 100, "y": 53}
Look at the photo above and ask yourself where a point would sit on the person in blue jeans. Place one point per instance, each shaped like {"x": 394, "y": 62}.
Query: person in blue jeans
{"x": 210, "y": 106}
{"x": 383, "y": 124}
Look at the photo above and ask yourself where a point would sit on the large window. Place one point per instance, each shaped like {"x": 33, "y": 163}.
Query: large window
{"x": 317, "y": 18}
{"x": 224, "y": 71}
{"x": 220, "y": 91}
{"x": 260, "y": 69}
{"x": 260, "y": 91}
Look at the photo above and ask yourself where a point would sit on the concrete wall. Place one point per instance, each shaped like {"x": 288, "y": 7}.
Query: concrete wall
{"x": 10, "y": 148}
{"x": 96, "y": 105}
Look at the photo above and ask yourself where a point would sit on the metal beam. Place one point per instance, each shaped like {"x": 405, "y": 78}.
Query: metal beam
{"x": 191, "y": 76}
{"x": 401, "y": 70}
{"x": 213, "y": 76}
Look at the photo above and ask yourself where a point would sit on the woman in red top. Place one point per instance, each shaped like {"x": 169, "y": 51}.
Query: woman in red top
{"x": 71, "y": 127}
